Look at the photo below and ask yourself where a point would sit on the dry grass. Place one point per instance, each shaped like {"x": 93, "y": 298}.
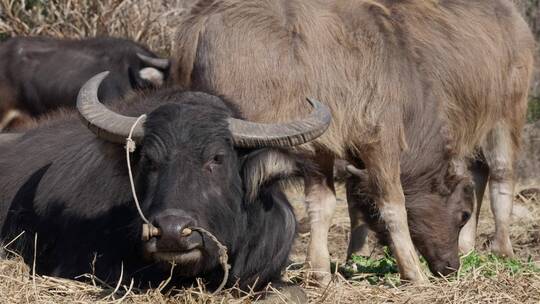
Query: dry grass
{"x": 18, "y": 285}
{"x": 151, "y": 22}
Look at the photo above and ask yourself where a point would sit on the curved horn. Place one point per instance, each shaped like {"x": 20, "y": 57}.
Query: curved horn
{"x": 253, "y": 135}
{"x": 105, "y": 123}
{"x": 160, "y": 63}
{"x": 357, "y": 172}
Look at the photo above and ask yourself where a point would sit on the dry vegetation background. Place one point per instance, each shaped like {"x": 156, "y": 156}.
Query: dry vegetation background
{"x": 153, "y": 22}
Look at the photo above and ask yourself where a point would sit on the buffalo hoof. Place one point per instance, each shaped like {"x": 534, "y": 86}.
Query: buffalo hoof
{"x": 364, "y": 251}
{"x": 285, "y": 294}
{"x": 318, "y": 269}
{"x": 502, "y": 247}
{"x": 319, "y": 278}
{"x": 418, "y": 280}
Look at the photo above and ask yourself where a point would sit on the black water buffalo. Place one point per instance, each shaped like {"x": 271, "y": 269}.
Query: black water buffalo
{"x": 195, "y": 165}
{"x": 39, "y": 74}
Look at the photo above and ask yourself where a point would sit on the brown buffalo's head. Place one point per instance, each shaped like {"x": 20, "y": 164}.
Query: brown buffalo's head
{"x": 437, "y": 209}
{"x": 435, "y": 219}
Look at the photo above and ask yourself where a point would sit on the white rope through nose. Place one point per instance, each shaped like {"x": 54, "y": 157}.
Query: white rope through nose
{"x": 130, "y": 148}
{"x": 223, "y": 256}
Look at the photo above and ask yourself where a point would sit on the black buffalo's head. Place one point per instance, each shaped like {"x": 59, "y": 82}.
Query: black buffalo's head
{"x": 197, "y": 166}
{"x": 133, "y": 69}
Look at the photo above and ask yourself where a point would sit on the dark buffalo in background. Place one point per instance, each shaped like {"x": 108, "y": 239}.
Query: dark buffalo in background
{"x": 194, "y": 166}
{"x": 40, "y": 74}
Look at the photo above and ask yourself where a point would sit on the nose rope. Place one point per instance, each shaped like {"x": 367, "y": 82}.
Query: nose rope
{"x": 151, "y": 229}
{"x": 130, "y": 148}
{"x": 223, "y": 257}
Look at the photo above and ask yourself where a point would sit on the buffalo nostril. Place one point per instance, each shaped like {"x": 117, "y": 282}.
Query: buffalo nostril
{"x": 454, "y": 266}
{"x": 186, "y": 232}
{"x": 449, "y": 268}
{"x": 175, "y": 232}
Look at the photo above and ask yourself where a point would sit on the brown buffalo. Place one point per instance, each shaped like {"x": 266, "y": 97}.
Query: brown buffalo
{"x": 416, "y": 87}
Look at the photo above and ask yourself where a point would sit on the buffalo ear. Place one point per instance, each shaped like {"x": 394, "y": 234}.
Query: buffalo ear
{"x": 153, "y": 76}
{"x": 147, "y": 77}
{"x": 265, "y": 167}
{"x": 464, "y": 190}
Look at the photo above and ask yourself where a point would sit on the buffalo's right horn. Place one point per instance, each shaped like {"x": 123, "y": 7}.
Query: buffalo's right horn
{"x": 105, "y": 123}
{"x": 160, "y": 63}
{"x": 248, "y": 134}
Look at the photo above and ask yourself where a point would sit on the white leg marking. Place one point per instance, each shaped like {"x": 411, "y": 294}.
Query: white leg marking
{"x": 501, "y": 205}
{"x": 500, "y": 158}
{"x": 321, "y": 203}
{"x": 395, "y": 218}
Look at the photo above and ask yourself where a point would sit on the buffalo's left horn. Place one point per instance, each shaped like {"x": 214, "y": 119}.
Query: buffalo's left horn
{"x": 105, "y": 123}
{"x": 253, "y": 135}
{"x": 160, "y": 63}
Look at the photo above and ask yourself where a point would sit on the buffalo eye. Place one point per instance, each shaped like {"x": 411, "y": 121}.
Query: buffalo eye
{"x": 216, "y": 161}
{"x": 465, "y": 216}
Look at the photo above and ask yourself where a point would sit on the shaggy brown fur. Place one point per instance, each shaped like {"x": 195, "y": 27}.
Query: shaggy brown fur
{"x": 412, "y": 84}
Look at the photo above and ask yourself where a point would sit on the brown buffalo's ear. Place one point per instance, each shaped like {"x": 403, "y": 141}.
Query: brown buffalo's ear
{"x": 463, "y": 192}
{"x": 266, "y": 167}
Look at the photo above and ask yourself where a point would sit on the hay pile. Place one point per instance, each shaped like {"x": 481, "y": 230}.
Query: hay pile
{"x": 18, "y": 286}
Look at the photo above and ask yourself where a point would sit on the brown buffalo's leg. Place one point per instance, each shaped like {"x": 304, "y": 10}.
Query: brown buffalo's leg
{"x": 358, "y": 242}
{"x": 383, "y": 167}
{"x": 467, "y": 236}
{"x": 320, "y": 204}
{"x": 392, "y": 209}
{"x": 499, "y": 153}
